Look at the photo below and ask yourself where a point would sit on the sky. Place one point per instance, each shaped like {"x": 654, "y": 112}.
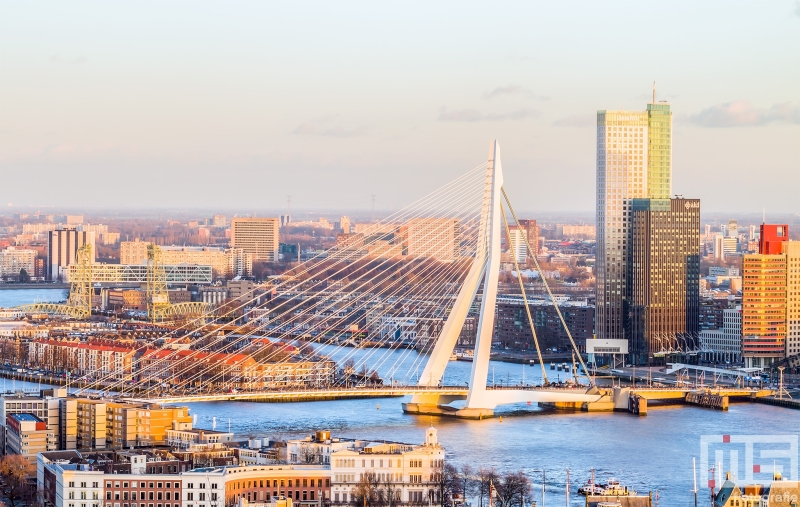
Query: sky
{"x": 239, "y": 104}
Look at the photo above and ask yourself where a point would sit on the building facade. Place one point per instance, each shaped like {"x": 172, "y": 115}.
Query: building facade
{"x": 62, "y": 250}
{"x": 14, "y": 260}
{"x": 437, "y": 238}
{"x": 634, "y": 161}
{"x": 663, "y": 295}
{"x": 764, "y": 305}
{"x": 258, "y": 237}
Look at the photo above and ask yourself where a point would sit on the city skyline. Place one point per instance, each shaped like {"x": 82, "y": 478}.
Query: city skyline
{"x": 331, "y": 119}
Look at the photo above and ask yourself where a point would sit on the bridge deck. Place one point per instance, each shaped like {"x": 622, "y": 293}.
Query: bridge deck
{"x": 503, "y": 395}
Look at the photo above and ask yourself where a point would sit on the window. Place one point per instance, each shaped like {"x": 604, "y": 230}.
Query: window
{"x": 202, "y": 497}
{"x": 190, "y": 496}
{"x": 124, "y": 484}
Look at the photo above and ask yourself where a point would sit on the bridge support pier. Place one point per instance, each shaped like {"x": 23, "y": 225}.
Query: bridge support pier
{"x": 447, "y": 411}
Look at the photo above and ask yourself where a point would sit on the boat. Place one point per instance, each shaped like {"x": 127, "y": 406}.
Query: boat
{"x": 591, "y": 489}
{"x": 552, "y": 366}
{"x": 614, "y": 488}
{"x": 454, "y": 357}
{"x": 467, "y": 355}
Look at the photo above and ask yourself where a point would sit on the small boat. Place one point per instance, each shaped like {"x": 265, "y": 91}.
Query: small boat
{"x": 453, "y": 357}
{"x": 591, "y": 489}
{"x": 614, "y": 488}
{"x": 552, "y": 366}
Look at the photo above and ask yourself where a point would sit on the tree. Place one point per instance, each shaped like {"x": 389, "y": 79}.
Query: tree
{"x": 445, "y": 481}
{"x": 486, "y": 477}
{"x": 15, "y": 470}
{"x": 366, "y": 492}
{"x": 466, "y": 485}
{"x": 24, "y": 277}
{"x": 512, "y": 489}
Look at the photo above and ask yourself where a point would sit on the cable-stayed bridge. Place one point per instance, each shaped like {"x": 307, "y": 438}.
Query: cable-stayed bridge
{"x": 392, "y": 298}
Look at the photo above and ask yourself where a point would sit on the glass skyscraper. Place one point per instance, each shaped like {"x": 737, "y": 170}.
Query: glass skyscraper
{"x": 634, "y": 161}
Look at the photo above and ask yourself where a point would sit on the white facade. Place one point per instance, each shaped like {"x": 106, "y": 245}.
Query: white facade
{"x": 409, "y": 471}
{"x": 724, "y": 345}
{"x": 517, "y": 244}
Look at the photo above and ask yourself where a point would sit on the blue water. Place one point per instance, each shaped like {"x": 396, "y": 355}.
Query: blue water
{"x": 652, "y": 453}
{"x": 16, "y": 297}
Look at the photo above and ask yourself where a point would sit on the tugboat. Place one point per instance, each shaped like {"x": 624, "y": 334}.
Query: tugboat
{"x": 614, "y": 488}
{"x": 591, "y": 489}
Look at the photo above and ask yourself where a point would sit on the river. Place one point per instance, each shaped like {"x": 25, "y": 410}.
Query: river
{"x": 652, "y": 453}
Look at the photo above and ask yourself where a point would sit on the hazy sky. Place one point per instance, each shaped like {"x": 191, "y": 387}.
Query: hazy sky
{"x": 241, "y": 103}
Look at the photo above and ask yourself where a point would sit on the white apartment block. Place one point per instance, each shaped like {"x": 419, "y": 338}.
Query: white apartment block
{"x": 12, "y": 260}
{"x": 517, "y": 244}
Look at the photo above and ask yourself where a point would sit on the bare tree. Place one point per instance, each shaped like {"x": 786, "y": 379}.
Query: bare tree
{"x": 512, "y": 489}
{"x": 309, "y": 454}
{"x": 445, "y": 481}
{"x": 466, "y": 485}
{"x": 366, "y": 491}
{"x": 486, "y": 477}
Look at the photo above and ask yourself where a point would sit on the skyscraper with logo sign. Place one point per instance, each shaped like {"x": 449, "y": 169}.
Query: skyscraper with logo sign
{"x": 634, "y": 161}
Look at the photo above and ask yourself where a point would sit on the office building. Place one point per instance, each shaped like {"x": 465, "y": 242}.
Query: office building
{"x": 256, "y": 236}
{"x": 792, "y": 251}
{"x": 219, "y": 221}
{"x": 764, "y": 302}
{"x": 634, "y": 161}
{"x": 663, "y": 297}
{"x": 62, "y": 250}
{"x": 437, "y": 238}
{"x": 724, "y": 344}
{"x": 724, "y": 246}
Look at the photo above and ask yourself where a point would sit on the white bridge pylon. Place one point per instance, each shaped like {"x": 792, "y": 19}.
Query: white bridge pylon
{"x": 480, "y": 401}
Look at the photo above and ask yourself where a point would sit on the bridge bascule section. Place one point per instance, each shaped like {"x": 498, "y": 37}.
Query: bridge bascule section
{"x": 378, "y": 315}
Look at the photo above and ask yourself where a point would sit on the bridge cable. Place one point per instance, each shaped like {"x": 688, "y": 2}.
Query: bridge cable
{"x": 524, "y": 295}
{"x": 549, "y": 292}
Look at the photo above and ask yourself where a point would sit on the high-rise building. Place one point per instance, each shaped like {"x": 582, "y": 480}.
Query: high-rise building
{"x": 219, "y": 221}
{"x": 437, "y": 238}
{"x": 344, "y": 225}
{"x": 663, "y": 300}
{"x": 516, "y": 243}
{"x": 792, "y": 251}
{"x": 634, "y": 161}
{"x": 771, "y": 238}
{"x": 62, "y": 249}
{"x": 257, "y": 236}
{"x": 532, "y": 230}
{"x": 733, "y": 229}
{"x": 764, "y": 302}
